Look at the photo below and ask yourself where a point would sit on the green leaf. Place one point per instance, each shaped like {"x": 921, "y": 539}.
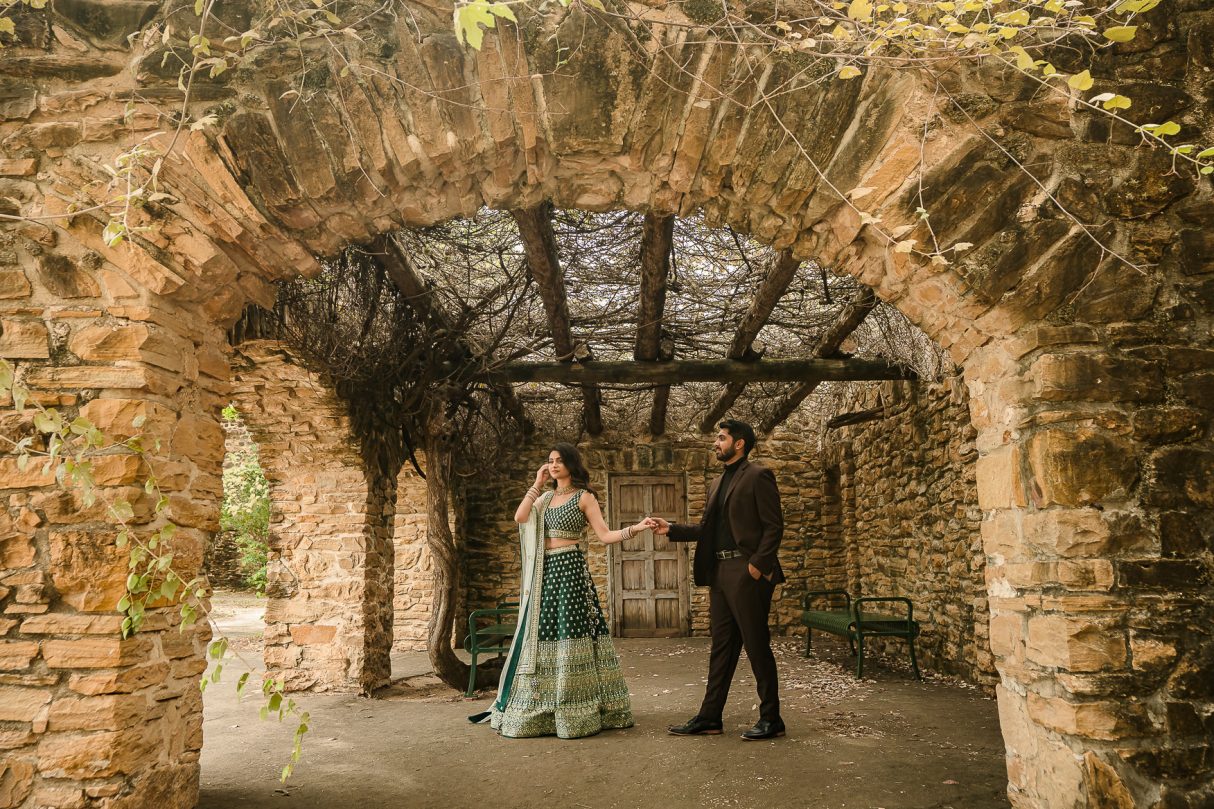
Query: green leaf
{"x": 244, "y": 678}
{"x": 275, "y": 701}
{"x": 7, "y": 26}
{"x": 124, "y": 603}
{"x": 198, "y": 6}
{"x": 1120, "y": 33}
{"x": 122, "y": 510}
{"x": 1204, "y": 153}
{"x": 468, "y": 21}
{"x": 1207, "y": 169}
{"x": 849, "y": 72}
{"x": 1081, "y": 81}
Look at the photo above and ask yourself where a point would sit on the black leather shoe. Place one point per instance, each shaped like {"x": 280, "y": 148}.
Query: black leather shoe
{"x": 765, "y": 729}
{"x": 697, "y": 726}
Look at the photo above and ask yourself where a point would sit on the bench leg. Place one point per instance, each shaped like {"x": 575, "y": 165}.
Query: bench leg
{"x": 914, "y": 662}
{"x": 471, "y": 678}
{"x": 809, "y": 641}
{"x": 852, "y": 643}
{"x": 860, "y": 656}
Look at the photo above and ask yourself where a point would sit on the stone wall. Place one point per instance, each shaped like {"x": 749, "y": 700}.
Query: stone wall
{"x": 328, "y": 612}
{"x": 902, "y": 518}
{"x": 414, "y": 585}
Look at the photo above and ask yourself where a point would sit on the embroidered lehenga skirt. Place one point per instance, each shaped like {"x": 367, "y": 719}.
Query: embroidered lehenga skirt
{"x": 577, "y": 688}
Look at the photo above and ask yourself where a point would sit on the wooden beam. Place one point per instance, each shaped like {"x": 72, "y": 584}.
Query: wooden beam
{"x": 401, "y": 272}
{"x": 539, "y": 245}
{"x": 657, "y": 240}
{"x": 773, "y": 287}
{"x": 679, "y": 371}
{"x": 851, "y": 317}
{"x": 858, "y": 417}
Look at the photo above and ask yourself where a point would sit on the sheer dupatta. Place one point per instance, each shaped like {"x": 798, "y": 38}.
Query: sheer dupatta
{"x": 521, "y": 657}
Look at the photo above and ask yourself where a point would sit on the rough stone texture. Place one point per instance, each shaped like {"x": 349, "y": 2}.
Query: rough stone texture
{"x": 272, "y": 188}
{"x": 900, "y": 517}
{"x": 327, "y": 621}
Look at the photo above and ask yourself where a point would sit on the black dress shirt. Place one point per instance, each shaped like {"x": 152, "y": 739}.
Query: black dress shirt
{"x": 722, "y": 536}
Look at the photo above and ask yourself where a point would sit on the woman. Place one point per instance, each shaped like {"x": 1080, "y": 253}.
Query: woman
{"x": 562, "y": 675}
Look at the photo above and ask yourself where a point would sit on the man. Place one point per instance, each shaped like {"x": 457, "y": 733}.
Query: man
{"x": 737, "y": 541}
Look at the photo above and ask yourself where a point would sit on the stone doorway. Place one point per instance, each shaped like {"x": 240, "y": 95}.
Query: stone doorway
{"x": 650, "y": 592}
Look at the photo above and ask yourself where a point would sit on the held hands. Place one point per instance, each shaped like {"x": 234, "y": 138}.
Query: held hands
{"x": 656, "y": 524}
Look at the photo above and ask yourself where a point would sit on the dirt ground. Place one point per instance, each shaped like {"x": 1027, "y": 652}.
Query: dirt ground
{"x": 886, "y": 742}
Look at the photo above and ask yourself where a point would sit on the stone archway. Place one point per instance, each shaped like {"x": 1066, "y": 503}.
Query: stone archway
{"x": 1088, "y": 390}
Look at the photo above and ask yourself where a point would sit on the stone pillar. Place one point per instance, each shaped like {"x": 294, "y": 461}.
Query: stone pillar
{"x": 1094, "y": 516}
{"x": 87, "y": 717}
{"x": 329, "y": 609}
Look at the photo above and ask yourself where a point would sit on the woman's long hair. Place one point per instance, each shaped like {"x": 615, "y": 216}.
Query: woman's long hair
{"x": 579, "y": 477}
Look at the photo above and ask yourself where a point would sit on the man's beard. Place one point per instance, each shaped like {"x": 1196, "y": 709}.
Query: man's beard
{"x": 723, "y": 456}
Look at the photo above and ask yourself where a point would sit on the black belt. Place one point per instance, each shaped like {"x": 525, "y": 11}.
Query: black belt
{"x": 728, "y": 554}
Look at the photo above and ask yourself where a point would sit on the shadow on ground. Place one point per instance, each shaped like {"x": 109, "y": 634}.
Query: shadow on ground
{"x": 887, "y": 742}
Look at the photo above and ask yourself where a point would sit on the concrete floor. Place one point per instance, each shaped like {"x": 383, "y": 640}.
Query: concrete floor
{"x": 882, "y": 743}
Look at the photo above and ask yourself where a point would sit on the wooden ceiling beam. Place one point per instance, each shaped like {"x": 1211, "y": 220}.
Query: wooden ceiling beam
{"x": 863, "y": 302}
{"x": 677, "y": 372}
{"x": 783, "y": 270}
{"x": 539, "y": 245}
{"x": 657, "y": 240}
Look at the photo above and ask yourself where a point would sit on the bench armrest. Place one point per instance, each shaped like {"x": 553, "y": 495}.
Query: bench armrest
{"x": 805, "y": 599}
{"x": 910, "y": 607}
{"x": 502, "y": 605}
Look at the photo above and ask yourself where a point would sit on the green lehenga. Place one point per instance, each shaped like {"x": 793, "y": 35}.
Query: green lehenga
{"x": 571, "y": 684}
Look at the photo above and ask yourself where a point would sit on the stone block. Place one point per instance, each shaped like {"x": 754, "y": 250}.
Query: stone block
{"x": 64, "y": 278}
{"x": 106, "y": 712}
{"x": 18, "y": 168}
{"x": 116, "y": 417}
{"x": 24, "y": 339}
{"x": 13, "y": 477}
{"x": 13, "y": 284}
{"x": 312, "y": 634}
{"x": 1000, "y": 482}
{"x": 1075, "y": 644}
{"x": 1181, "y": 477}
{"x": 1103, "y": 719}
{"x": 17, "y": 551}
{"x": 16, "y": 781}
{"x": 98, "y": 754}
{"x": 17, "y": 655}
{"x": 88, "y": 570}
{"x": 63, "y": 623}
{"x": 120, "y": 682}
{"x": 1096, "y": 378}
{"x": 1080, "y": 466}
{"x": 95, "y": 653}
{"x": 22, "y": 704}
{"x": 1105, "y": 785}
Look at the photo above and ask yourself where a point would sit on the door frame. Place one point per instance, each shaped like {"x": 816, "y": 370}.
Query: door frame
{"x": 614, "y": 560}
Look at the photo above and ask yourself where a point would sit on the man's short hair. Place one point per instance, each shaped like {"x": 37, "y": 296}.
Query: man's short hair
{"x": 740, "y": 430}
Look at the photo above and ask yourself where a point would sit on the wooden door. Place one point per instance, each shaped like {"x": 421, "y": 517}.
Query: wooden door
{"x": 649, "y": 583}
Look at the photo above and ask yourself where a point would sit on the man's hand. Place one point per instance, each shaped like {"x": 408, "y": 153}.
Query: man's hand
{"x": 755, "y": 573}
{"x": 659, "y": 525}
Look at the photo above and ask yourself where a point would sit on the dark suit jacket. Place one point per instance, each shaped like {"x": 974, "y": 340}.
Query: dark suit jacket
{"x": 752, "y": 506}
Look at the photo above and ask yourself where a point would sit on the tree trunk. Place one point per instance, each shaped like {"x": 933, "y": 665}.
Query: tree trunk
{"x": 444, "y": 556}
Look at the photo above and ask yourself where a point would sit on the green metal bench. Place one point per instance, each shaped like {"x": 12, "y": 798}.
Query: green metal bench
{"x": 856, "y": 624}
{"x": 490, "y": 631}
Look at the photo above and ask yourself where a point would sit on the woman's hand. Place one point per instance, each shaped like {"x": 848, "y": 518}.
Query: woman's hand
{"x": 541, "y": 477}
{"x": 643, "y": 525}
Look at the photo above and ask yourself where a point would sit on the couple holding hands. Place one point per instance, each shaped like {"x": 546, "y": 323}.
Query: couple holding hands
{"x": 562, "y": 676}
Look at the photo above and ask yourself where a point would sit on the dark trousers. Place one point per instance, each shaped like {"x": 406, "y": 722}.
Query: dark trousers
{"x": 738, "y": 609}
